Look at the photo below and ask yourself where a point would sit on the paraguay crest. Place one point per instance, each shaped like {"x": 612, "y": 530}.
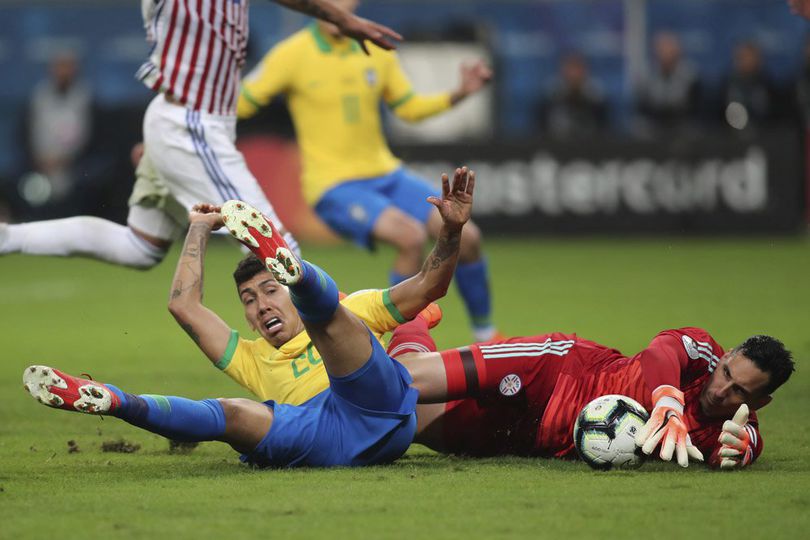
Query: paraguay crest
{"x": 510, "y": 385}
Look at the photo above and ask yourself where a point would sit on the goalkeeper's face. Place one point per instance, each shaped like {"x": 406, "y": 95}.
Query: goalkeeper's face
{"x": 735, "y": 380}
{"x": 269, "y": 310}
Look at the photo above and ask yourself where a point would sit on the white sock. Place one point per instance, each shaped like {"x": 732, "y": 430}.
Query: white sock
{"x": 84, "y": 236}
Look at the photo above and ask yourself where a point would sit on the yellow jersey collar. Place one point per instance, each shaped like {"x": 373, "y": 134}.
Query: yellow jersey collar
{"x": 327, "y": 44}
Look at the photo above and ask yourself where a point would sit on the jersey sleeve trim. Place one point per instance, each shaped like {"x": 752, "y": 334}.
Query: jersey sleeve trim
{"x": 392, "y": 309}
{"x": 250, "y": 99}
{"x": 401, "y": 101}
{"x": 227, "y": 356}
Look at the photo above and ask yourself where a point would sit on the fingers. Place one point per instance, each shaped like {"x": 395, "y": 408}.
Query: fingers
{"x": 735, "y": 429}
{"x": 727, "y": 463}
{"x": 727, "y": 439}
{"x": 741, "y": 416}
{"x": 653, "y": 424}
{"x": 469, "y": 187}
{"x": 652, "y": 441}
{"x": 668, "y": 447}
{"x": 729, "y": 452}
{"x": 379, "y": 34}
{"x": 694, "y": 453}
{"x": 446, "y": 184}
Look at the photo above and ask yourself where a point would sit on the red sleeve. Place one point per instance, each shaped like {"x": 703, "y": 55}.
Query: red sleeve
{"x": 678, "y": 356}
{"x": 662, "y": 361}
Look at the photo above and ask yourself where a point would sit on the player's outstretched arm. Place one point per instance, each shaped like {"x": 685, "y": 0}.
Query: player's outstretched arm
{"x": 431, "y": 283}
{"x": 202, "y": 325}
{"x": 350, "y": 24}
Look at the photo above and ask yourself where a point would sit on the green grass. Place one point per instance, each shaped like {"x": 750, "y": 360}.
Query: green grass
{"x": 89, "y": 317}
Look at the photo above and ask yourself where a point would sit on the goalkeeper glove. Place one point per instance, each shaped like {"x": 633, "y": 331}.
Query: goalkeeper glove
{"x": 667, "y": 426}
{"x": 736, "y": 451}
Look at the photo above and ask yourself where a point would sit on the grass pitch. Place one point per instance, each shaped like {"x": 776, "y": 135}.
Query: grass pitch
{"x": 85, "y": 316}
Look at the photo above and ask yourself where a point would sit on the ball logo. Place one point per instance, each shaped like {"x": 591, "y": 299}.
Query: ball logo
{"x": 510, "y": 385}
{"x": 691, "y": 347}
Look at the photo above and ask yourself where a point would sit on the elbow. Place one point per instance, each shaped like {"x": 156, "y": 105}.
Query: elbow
{"x": 178, "y": 309}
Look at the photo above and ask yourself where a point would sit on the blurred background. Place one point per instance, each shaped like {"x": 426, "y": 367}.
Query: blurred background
{"x": 605, "y": 116}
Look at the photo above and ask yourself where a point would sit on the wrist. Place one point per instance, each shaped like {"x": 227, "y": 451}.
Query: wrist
{"x": 458, "y": 96}
{"x": 669, "y": 397}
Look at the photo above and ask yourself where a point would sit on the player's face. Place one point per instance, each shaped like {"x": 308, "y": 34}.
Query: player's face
{"x": 269, "y": 310}
{"x": 735, "y": 381}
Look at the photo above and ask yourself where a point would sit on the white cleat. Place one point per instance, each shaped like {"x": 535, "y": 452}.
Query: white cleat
{"x": 59, "y": 390}
{"x": 258, "y": 233}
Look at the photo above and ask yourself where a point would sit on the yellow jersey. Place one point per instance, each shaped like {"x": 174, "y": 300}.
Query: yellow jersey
{"x": 294, "y": 372}
{"x": 333, "y": 93}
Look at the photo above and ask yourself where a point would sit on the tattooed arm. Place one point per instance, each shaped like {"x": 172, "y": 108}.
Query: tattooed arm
{"x": 202, "y": 325}
{"x": 350, "y": 24}
{"x": 431, "y": 283}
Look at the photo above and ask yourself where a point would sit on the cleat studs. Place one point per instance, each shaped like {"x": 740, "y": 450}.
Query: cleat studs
{"x": 239, "y": 206}
{"x": 253, "y": 215}
{"x": 264, "y": 228}
{"x": 32, "y": 369}
{"x": 54, "y": 401}
{"x": 96, "y": 393}
{"x": 26, "y": 388}
{"x": 46, "y": 372}
{"x": 244, "y": 223}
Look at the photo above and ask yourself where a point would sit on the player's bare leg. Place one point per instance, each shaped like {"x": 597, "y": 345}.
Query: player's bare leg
{"x": 407, "y": 235}
{"x": 242, "y": 423}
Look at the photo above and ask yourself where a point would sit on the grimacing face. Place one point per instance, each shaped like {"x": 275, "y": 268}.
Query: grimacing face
{"x": 269, "y": 310}
{"x": 735, "y": 380}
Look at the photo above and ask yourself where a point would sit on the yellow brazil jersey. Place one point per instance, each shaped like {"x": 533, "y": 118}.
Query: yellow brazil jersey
{"x": 294, "y": 373}
{"x": 333, "y": 93}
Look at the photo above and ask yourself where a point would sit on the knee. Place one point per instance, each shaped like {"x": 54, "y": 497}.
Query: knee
{"x": 411, "y": 236}
{"x": 470, "y": 249}
{"x": 235, "y": 409}
{"x": 146, "y": 261}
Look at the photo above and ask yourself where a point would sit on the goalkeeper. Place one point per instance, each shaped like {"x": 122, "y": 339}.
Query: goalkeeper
{"x": 349, "y": 175}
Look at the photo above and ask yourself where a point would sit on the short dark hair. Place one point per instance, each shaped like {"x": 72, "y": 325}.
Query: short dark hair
{"x": 247, "y": 268}
{"x": 770, "y": 356}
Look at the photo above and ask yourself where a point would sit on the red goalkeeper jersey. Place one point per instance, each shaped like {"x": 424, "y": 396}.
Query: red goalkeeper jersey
{"x": 533, "y": 388}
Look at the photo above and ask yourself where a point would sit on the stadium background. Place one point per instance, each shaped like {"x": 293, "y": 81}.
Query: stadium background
{"x": 565, "y": 254}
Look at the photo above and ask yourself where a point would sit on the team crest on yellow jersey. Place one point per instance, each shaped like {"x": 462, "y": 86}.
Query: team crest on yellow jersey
{"x": 371, "y": 76}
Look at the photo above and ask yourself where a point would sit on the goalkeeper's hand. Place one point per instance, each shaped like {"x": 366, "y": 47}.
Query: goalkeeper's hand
{"x": 736, "y": 451}
{"x": 667, "y": 426}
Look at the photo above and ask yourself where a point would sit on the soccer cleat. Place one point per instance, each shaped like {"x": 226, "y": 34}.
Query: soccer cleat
{"x": 258, "y": 233}
{"x": 432, "y": 315}
{"x": 59, "y": 390}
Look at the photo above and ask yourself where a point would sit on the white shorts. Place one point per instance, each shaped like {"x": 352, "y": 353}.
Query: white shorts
{"x": 189, "y": 158}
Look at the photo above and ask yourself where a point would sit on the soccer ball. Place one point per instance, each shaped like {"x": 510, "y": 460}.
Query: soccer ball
{"x": 605, "y": 432}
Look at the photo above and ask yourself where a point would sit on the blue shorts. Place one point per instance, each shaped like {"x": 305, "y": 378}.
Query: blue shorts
{"x": 365, "y": 418}
{"x": 351, "y": 208}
